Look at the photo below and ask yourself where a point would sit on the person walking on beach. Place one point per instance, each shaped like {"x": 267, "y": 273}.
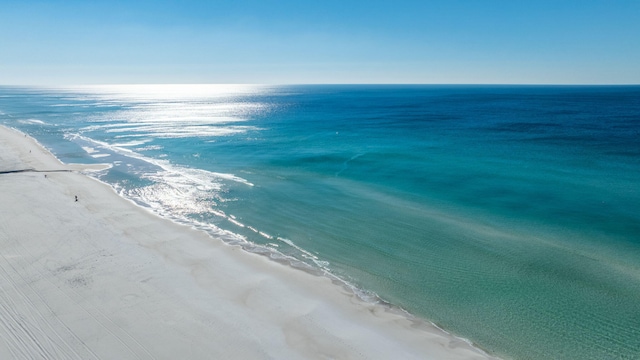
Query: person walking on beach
{"x": 76, "y": 198}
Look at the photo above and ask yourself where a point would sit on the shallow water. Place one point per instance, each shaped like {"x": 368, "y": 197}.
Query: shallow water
{"x": 508, "y": 215}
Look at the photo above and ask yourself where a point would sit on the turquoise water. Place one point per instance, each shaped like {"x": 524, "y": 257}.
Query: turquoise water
{"x": 507, "y": 215}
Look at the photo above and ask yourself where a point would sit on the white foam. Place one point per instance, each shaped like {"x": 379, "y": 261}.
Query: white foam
{"x": 32, "y": 121}
{"x": 150, "y": 147}
{"x": 198, "y": 176}
{"x": 132, "y": 143}
{"x": 89, "y": 150}
{"x": 232, "y": 178}
{"x": 306, "y": 254}
{"x": 218, "y": 213}
{"x": 238, "y": 223}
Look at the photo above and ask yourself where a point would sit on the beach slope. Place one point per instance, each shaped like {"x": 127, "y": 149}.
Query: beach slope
{"x": 101, "y": 278}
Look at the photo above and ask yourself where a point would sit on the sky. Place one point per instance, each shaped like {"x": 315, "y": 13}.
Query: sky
{"x": 306, "y": 42}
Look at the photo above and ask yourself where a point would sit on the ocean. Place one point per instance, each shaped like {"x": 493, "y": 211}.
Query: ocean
{"x": 507, "y": 215}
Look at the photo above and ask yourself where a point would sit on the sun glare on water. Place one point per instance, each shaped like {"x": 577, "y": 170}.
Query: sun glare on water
{"x": 171, "y": 91}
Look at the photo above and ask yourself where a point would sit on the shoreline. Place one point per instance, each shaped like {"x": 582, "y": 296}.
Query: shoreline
{"x": 112, "y": 279}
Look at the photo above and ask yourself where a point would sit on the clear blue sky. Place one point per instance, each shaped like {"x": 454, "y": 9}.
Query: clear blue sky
{"x": 268, "y": 41}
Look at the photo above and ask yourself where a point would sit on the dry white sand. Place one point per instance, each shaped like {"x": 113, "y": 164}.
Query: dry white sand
{"x": 103, "y": 278}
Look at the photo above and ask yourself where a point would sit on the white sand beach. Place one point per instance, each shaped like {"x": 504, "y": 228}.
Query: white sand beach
{"x": 102, "y": 278}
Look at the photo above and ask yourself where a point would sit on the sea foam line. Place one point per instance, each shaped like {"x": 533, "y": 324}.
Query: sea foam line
{"x": 192, "y": 174}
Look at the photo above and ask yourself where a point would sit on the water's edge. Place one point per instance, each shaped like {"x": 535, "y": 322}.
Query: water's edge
{"x": 231, "y": 239}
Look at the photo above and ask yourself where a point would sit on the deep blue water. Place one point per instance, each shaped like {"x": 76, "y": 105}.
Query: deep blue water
{"x": 509, "y": 215}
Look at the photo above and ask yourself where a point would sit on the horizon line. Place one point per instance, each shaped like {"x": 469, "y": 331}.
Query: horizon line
{"x": 321, "y": 84}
